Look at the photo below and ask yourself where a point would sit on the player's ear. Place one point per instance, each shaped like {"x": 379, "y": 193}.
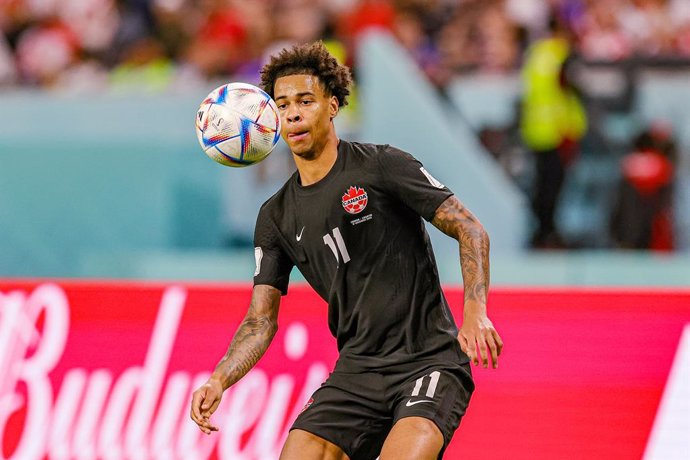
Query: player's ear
{"x": 333, "y": 107}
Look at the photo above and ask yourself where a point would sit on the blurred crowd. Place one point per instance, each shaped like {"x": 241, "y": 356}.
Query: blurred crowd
{"x": 159, "y": 43}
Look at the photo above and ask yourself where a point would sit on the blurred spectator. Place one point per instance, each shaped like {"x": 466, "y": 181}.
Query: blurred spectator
{"x": 498, "y": 39}
{"x": 682, "y": 39}
{"x": 367, "y": 14}
{"x": 408, "y": 28}
{"x": 649, "y": 26}
{"x": 8, "y": 71}
{"x": 531, "y": 15}
{"x": 599, "y": 32}
{"x": 218, "y": 46}
{"x": 93, "y": 22}
{"x": 479, "y": 36}
{"x": 144, "y": 66}
{"x": 642, "y": 216}
{"x": 457, "y": 42}
{"x": 46, "y": 50}
{"x": 299, "y": 21}
{"x": 552, "y": 122}
{"x": 135, "y": 23}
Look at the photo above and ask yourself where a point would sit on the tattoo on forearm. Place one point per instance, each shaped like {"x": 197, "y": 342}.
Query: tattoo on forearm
{"x": 455, "y": 220}
{"x": 250, "y": 341}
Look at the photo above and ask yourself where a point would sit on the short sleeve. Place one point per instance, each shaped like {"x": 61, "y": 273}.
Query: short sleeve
{"x": 405, "y": 177}
{"x": 273, "y": 266}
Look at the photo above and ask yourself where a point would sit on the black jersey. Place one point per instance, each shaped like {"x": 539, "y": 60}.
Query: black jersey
{"x": 358, "y": 238}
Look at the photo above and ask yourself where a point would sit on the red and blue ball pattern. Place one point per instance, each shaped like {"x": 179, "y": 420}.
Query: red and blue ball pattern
{"x": 238, "y": 124}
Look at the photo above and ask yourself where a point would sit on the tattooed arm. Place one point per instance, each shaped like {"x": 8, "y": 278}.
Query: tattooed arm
{"x": 252, "y": 337}
{"x": 477, "y": 332}
{"x": 250, "y": 342}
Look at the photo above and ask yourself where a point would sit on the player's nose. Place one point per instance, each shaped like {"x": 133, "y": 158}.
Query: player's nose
{"x": 293, "y": 115}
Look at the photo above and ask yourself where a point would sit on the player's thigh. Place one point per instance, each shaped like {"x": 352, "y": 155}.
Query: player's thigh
{"x": 415, "y": 438}
{"x": 350, "y": 411}
{"x": 302, "y": 445}
{"x": 433, "y": 400}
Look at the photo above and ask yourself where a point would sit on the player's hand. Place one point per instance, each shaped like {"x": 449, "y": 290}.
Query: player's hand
{"x": 205, "y": 401}
{"x": 478, "y": 338}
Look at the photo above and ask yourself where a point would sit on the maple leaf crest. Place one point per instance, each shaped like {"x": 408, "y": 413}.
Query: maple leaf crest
{"x": 355, "y": 200}
{"x": 353, "y": 192}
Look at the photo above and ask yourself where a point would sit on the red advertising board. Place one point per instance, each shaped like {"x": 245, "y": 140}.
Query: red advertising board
{"x": 105, "y": 370}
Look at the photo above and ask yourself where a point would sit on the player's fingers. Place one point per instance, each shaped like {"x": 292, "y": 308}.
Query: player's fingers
{"x": 209, "y": 426}
{"x": 472, "y": 350}
{"x": 498, "y": 340}
{"x": 463, "y": 343}
{"x": 210, "y": 407}
{"x": 482, "y": 350}
{"x": 206, "y": 425}
{"x": 207, "y": 404}
{"x": 203, "y": 425}
{"x": 200, "y": 400}
{"x": 493, "y": 348}
{"x": 195, "y": 411}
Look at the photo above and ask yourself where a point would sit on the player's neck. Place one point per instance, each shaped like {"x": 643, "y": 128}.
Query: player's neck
{"x": 314, "y": 169}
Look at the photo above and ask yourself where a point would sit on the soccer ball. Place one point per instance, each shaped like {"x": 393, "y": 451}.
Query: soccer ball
{"x": 238, "y": 124}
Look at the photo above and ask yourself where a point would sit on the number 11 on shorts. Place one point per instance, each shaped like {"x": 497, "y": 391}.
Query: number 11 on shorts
{"x": 431, "y": 389}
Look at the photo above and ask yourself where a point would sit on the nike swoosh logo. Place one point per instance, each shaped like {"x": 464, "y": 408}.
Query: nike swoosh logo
{"x": 299, "y": 237}
{"x": 410, "y": 403}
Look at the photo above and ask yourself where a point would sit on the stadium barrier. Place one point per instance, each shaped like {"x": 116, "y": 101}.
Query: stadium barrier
{"x": 105, "y": 370}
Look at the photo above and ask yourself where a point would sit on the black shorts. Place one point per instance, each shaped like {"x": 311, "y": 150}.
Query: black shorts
{"x": 356, "y": 411}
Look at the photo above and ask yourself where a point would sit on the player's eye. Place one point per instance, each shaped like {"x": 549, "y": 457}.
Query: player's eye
{"x": 282, "y": 106}
{"x": 306, "y": 102}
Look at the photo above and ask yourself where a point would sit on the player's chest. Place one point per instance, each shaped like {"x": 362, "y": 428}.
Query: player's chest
{"x": 341, "y": 218}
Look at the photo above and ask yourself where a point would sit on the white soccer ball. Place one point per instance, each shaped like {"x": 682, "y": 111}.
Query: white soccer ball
{"x": 238, "y": 124}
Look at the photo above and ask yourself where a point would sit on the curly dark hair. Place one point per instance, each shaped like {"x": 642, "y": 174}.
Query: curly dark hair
{"x": 309, "y": 59}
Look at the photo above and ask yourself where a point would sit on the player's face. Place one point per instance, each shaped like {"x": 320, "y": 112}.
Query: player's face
{"x": 306, "y": 113}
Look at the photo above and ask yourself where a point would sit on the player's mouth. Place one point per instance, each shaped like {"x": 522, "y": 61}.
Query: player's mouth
{"x": 298, "y": 136}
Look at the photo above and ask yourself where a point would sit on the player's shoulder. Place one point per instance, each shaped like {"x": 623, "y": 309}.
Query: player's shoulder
{"x": 360, "y": 151}
{"x": 369, "y": 152}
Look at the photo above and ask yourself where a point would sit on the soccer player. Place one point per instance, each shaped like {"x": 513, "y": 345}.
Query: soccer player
{"x": 350, "y": 219}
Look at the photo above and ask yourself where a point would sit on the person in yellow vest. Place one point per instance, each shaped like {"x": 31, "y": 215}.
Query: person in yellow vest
{"x": 552, "y": 122}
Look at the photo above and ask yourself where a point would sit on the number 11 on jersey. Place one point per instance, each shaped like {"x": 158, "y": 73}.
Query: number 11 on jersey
{"x": 337, "y": 245}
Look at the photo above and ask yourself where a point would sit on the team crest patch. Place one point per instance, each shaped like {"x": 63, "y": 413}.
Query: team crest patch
{"x": 355, "y": 200}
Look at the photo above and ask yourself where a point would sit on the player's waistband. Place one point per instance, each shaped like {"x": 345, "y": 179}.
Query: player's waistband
{"x": 449, "y": 355}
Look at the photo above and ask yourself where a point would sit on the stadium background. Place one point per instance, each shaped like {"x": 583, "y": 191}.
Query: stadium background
{"x": 125, "y": 253}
